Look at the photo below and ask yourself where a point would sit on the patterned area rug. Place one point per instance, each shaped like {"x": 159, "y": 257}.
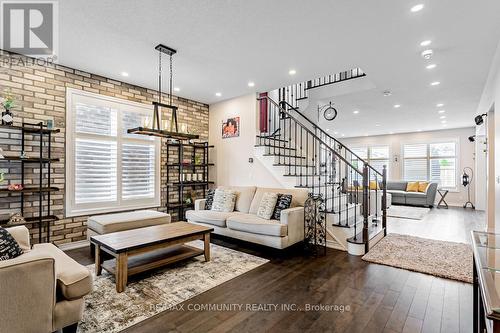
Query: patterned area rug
{"x": 408, "y": 212}
{"x": 444, "y": 259}
{"x": 108, "y": 311}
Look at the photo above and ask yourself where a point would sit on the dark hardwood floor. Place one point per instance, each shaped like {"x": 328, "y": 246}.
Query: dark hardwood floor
{"x": 374, "y": 298}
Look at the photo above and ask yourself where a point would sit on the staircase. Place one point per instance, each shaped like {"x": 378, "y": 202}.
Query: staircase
{"x": 307, "y": 157}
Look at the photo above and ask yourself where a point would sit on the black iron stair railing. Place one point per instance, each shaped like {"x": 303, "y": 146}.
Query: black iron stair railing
{"x": 324, "y": 166}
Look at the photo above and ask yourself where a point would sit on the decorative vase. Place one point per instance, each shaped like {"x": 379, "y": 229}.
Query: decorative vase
{"x": 7, "y": 118}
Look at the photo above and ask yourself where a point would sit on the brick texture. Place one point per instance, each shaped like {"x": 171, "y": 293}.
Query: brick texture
{"x": 40, "y": 94}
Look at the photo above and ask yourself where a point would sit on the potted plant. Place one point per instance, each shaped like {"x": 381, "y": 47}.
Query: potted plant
{"x": 8, "y": 103}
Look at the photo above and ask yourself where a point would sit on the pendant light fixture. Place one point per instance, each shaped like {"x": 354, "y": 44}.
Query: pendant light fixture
{"x": 173, "y": 131}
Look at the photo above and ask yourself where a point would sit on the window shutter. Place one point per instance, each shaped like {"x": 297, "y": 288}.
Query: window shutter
{"x": 415, "y": 169}
{"x": 95, "y": 171}
{"x": 138, "y": 171}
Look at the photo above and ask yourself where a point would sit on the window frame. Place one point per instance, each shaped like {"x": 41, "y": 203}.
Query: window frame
{"x": 429, "y": 158}
{"x": 369, "y": 158}
{"x": 71, "y": 209}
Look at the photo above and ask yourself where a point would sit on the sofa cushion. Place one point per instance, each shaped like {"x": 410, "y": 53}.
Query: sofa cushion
{"x": 396, "y": 185}
{"x": 209, "y": 199}
{"x": 209, "y": 216}
{"x": 256, "y": 225}
{"x": 284, "y": 201}
{"x": 73, "y": 280}
{"x": 397, "y": 193}
{"x": 416, "y": 195}
{"x": 244, "y": 196}
{"x": 224, "y": 200}
{"x": 22, "y": 236}
{"x": 299, "y": 197}
{"x": 105, "y": 224}
{"x": 9, "y": 248}
{"x": 267, "y": 204}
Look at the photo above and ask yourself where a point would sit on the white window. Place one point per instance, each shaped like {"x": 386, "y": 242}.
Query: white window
{"x": 435, "y": 162}
{"x": 108, "y": 169}
{"x": 376, "y": 156}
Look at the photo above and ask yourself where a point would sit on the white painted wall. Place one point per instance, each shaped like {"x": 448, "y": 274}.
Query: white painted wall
{"x": 489, "y": 99}
{"x": 231, "y": 155}
{"x": 466, "y": 151}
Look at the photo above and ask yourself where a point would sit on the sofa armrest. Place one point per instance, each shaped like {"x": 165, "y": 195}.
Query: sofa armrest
{"x": 22, "y": 236}
{"x": 27, "y": 285}
{"x": 199, "y": 204}
{"x": 294, "y": 219}
{"x": 431, "y": 193}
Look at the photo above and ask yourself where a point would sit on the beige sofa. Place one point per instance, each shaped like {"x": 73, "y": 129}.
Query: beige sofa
{"x": 244, "y": 224}
{"x": 41, "y": 290}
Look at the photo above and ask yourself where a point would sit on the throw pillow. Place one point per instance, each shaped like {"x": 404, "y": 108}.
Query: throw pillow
{"x": 422, "y": 186}
{"x": 374, "y": 185}
{"x": 283, "y": 202}
{"x": 209, "y": 199}
{"x": 267, "y": 204}
{"x": 224, "y": 201}
{"x": 9, "y": 248}
{"x": 412, "y": 187}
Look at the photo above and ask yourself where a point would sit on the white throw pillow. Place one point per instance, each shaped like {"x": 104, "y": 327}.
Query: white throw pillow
{"x": 224, "y": 201}
{"x": 267, "y": 204}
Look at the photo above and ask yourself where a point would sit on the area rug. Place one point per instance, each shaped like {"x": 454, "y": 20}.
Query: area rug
{"x": 108, "y": 311}
{"x": 408, "y": 212}
{"x": 439, "y": 258}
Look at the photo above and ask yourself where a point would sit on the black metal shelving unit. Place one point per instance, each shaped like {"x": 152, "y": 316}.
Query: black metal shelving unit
{"x": 177, "y": 183}
{"x": 44, "y": 190}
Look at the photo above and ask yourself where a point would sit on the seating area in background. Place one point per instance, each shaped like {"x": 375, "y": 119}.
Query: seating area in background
{"x": 412, "y": 193}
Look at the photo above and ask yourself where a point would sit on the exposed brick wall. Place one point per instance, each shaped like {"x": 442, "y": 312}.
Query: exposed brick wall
{"x": 40, "y": 94}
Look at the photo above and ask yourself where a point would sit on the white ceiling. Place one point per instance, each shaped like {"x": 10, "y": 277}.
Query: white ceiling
{"x": 224, "y": 44}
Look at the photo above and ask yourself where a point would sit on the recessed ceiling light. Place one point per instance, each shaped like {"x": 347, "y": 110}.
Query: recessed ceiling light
{"x": 397, "y": 105}
{"x": 251, "y": 84}
{"x": 391, "y": 133}
{"x": 292, "y": 72}
{"x": 355, "y": 111}
{"x": 417, "y": 8}
{"x": 419, "y": 130}
{"x": 327, "y": 129}
{"x": 426, "y": 43}
{"x": 440, "y": 105}
{"x": 335, "y": 133}
{"x": 343, "y": 134}
{"x": 218, "y": 94}
{"x": 442, "y": 117}
{"x": 444, "y": 125}
{"x": 443, "y": 121}
{"x": 177, "y": 89}
{"x": 435, "y": 83}
{"x": 427, "y": 54}
{"x": 124, "y": 74}
{"x": 431, "y": 66}
{"x": 377, "y": 125}
{"x": 366, "y": 134}
{"x": 441, "y": 111}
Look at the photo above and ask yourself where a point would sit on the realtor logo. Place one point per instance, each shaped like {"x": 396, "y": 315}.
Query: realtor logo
{"x": 30, "y": 27}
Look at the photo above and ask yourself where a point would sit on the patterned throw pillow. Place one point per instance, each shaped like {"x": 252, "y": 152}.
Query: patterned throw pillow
{"x": 266, "y": 206}
{"x": 284, "y": 201}
{"x": 224, "y": 201}
{"x": 210, "y": 199}
{"x": 9, "y": 248}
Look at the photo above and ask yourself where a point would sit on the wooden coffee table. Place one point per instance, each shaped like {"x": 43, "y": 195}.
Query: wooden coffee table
{"x": 142, "y": 249}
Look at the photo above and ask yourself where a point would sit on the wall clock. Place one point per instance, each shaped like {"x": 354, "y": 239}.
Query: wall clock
{"x": 329, "y": 112}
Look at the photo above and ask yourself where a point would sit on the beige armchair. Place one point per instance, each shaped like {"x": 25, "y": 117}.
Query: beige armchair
{"x": 42, "y": 290}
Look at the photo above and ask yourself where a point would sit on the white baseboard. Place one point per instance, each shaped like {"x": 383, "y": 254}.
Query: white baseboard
{"x": 74, "y": 245}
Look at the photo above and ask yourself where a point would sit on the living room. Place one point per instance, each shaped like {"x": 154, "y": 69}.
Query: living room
{"x": 207, "y": 166}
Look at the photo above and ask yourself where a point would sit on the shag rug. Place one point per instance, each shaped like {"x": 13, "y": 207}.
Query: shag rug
{"x": 439, "y": 258}
{"x": 408, "y": 212}
{"x": 109, "y": 311}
